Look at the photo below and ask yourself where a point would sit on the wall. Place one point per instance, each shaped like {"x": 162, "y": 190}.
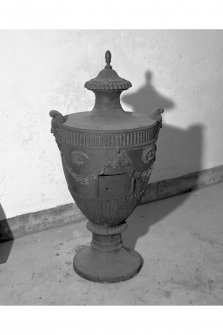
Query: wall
{"x": 181, "y": 71}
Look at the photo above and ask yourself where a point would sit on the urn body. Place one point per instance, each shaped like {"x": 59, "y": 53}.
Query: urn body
{"x": 107, "y": 172}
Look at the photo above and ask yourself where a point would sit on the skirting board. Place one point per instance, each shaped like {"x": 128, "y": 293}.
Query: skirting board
{"x": 68, "y": 214}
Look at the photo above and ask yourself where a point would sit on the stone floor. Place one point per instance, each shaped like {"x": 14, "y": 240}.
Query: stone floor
{"x": 180, "y": 240}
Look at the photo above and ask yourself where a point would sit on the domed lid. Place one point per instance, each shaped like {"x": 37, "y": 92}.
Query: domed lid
{"x": 107, "y": 113}
{"x": 107, "y": 79}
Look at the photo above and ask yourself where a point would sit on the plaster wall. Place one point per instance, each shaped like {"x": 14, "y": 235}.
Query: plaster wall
{"x": 181, "y": 71}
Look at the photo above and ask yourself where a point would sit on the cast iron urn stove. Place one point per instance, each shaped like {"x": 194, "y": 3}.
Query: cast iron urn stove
{"x": 107, "y": 156}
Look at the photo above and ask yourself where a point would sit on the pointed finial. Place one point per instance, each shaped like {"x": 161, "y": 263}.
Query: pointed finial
{"x": 108, "y": 60}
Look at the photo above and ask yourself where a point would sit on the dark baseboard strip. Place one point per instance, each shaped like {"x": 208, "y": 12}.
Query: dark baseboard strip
{"x": 25, "y": 224}
{"x": 30, "y": 223}
{"x": 189, "y": 182}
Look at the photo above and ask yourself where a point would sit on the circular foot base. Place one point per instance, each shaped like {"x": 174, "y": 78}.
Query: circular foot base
{"x": 110, "y": 267}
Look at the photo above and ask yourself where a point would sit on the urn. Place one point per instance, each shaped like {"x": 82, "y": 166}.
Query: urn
{"x": 107, "y": 157}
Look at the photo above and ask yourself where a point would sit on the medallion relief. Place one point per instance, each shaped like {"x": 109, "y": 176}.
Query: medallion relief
{"x": 148, "y": 154}
{"x": 79, "y": 158}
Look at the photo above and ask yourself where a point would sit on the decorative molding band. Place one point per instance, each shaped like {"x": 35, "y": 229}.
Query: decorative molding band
{"x": 101, "y": 230}
{"x": 120, "y": 85}
{"x": 113, "y": 140}
{"x": 69, "y": 214}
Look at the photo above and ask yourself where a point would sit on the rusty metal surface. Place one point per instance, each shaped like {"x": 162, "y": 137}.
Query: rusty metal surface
{"x": 107, "y": 171}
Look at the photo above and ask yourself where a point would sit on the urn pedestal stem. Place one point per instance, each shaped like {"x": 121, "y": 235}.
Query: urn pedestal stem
{"x": 107, "y": 260}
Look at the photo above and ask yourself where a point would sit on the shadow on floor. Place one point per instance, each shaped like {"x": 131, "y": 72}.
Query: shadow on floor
{"x": 6, "y": 237}
{"x": 147, "y": 215}
{"x": 177, "y": 149}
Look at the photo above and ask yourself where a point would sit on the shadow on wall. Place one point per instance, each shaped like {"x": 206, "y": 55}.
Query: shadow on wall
{"x": 6, "y": 236}
{"x": 147, "y": 99}
{"x": 175, "y": 146}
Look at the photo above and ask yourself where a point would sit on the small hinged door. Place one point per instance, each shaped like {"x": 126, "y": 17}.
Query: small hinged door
{"x": 114, "y": 186}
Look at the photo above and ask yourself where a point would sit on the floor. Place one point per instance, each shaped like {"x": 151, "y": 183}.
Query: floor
{"x": 180, "y": 240}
